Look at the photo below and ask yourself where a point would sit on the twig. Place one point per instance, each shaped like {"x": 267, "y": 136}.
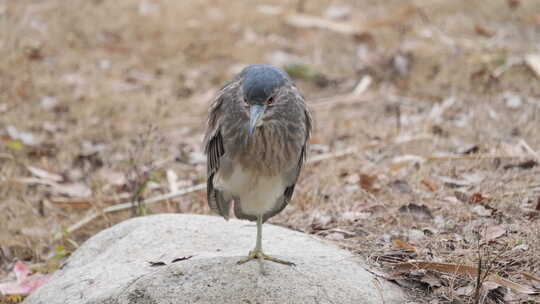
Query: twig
{"x": 529, "y": 149}
{"x": 119, "y": 207}
{"x": 331, "y": 155}
{"x": 348, "y": 98}
{"x": 469, "y": 157}
{"x": 6, "y": 156}
{"x": 362, "y": 86}
{"x": 308, "y": 21}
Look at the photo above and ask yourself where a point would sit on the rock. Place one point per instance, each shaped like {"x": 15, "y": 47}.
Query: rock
{"x": 113, "y": 267}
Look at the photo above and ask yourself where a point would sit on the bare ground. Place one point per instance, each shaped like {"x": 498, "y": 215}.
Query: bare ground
{"x": 105, "y": 95}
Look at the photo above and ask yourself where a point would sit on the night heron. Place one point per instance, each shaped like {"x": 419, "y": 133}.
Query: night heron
{"x": 256, "y": 142}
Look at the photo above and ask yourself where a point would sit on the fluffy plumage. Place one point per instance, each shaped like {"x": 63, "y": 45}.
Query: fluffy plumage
{"x": 257, "y": 172}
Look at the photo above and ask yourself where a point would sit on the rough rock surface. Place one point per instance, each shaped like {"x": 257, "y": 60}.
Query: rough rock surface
{"x": 113, "y": 267}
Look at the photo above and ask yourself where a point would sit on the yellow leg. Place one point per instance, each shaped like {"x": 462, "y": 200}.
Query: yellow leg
{"x": 257, "y": 253}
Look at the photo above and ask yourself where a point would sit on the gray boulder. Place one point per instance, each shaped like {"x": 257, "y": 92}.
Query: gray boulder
{"x": 113, "y": 267}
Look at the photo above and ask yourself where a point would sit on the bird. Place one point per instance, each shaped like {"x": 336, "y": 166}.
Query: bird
{"x": 256, "y": 144}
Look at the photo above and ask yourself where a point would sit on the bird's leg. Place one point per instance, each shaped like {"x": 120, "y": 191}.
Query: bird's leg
{"x": 257, "y": 252}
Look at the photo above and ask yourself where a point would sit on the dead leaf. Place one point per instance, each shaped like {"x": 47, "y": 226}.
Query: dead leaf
{"x": 337, "y": 12}
{"x": 44, "y": 174}
{"x": 493, "y": 232}
{"x": 156, "y": 264}
{"x": 528, "y": 164}
{"x": 533, "y": 61}
{"x": 465, "y": 290}
{"x": 112, "y": 177}
{"x": 72, "y": 189}
{"x": 48, "y": 102}
{"x": 477, "y": 198}
{"x": 418, "y": 211}
{"x": 481, "y": 210}
{"x": 530, "y": 277}
{"x": 429, "y": 185}
{"x": 172, "y": 179}
{"x": 469, "y": 272}
{"x": 399, "y": 244}
{"x": 307, "y": 21}
{"x": 511, "y": 285}
{"x": 482, "y": 31}
{"x": 513, "y": 4}
{"x": 367, "y": 182}
{"x": 402, "y": 161}
{"x": 25, "y": 283}
{"x": 401, "y": 185}
{"x": 453, "y": 182}
{"x": 72, "y": 204}
{"x": 182, "y": 259}
{"x": 431, "y": 280}
{"x": 37, "y": 232}
{"x": 352, "y": 179}
{"x": 462, "y": 196}
{"x": 27, "y": 138}
{"x": 468, "y": 149}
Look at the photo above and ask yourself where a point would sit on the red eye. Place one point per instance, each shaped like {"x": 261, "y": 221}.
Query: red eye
{"x": 270, "y": 101}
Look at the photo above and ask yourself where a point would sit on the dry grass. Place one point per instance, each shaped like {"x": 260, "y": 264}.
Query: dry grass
{"x": 132, "y": 81}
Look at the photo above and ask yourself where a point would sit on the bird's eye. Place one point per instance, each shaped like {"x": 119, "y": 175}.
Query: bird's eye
{"x": 270, "y": 101}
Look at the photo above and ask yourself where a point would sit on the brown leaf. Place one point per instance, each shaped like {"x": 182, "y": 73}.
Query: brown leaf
{"x": 531, "y": 277}
{"x": 429, "y": 185}
{"x": 511, "y": 285}
{"x": 72, "y": 204}
{"x": 399, "y": 244}
{"x": 513, "y": 4}
{"x": 477, "y": 198}
{"x": 455, "y": 269}
{"x": 482, "y": 31}
{"x": 469, "y": 272}
{"x": 315, "y": 141}
{"x": 367, "y": 182}
{"x": 534, "y": 214}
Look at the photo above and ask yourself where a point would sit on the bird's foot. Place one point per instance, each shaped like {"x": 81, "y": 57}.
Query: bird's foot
{"x": 257, "y": 254}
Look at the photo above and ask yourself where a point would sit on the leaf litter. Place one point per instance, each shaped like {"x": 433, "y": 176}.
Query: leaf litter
{"x": 464, "y": 125}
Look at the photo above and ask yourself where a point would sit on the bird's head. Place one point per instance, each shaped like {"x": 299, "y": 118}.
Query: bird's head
{"x": 260, "y": 85}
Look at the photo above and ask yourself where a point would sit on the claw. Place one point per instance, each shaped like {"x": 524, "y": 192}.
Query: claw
{"x": 262, "y": 256}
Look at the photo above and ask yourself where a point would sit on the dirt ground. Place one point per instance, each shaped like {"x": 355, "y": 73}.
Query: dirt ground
{"x": 432, "y": 106}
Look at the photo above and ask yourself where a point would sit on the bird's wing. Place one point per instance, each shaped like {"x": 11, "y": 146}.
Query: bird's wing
{"x": 214, "y": 149}
{"x": 303, "y": 153}
{"x": 295, "y": 172}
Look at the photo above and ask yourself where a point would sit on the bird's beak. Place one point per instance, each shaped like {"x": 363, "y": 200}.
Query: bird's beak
{"x": 255, "y": 113}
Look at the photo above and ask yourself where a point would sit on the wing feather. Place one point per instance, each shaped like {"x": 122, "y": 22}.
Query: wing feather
{"x": 214, "y": 149}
